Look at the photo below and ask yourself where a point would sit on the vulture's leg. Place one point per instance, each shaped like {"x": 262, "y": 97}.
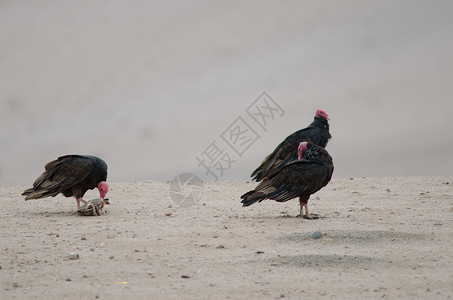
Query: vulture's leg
{"x": 78, "y": 200}
{"x": 301, "y": 208}
{"x": 304, "y": 203}
{"x": 310, "y": 216}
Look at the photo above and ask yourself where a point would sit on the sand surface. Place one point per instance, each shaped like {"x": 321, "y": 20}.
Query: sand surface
{"x": 383, "y": 238}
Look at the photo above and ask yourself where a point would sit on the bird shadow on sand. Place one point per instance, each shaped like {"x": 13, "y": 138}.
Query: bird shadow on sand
{"x": 359, "y": 237}
{"x": 55, "y": 213}
{"x": 331, "y": 261}
{"x": 285, "y": 215}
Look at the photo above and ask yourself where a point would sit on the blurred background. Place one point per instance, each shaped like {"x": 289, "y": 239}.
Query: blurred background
{"x": 149, "y": 85}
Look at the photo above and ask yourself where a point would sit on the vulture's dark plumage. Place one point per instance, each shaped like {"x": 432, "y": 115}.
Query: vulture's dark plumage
{"x": 316, "y": 133}
{"x": 300, "y": 178}
{"x": 71, "y": 175}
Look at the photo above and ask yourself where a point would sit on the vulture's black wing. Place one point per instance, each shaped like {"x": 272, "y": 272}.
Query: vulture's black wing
{"x": 61, "y": 176}
{"x": 298, "y": 178}
{"x": 317, "y": 133}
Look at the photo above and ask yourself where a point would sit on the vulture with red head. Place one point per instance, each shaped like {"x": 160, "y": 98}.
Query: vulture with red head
{"x": 71, "y": 175}
{"x": 300, "y": 178}
{"x": 316, "y": 133}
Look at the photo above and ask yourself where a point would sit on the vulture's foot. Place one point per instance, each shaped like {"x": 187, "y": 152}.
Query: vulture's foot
{"x": 309, "y": 216}
{"x": 81, "y": 208}
{"x": 93, "y": 208}
{"x": 312, "y": 216}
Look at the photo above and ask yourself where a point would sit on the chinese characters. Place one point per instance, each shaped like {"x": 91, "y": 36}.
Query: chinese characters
{"x": 215, "y": 160}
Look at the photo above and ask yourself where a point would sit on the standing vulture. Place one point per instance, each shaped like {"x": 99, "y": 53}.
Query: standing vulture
{"x": 317, "y": 133}
{"x": 71, "y": 175}
{"x": 300, "y": 178}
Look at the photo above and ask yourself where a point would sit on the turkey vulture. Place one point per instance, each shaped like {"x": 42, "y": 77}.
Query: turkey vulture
{"x": 300, "y": 178}
{"x": 317, "y": 133}
{"x": 71, "y": 175}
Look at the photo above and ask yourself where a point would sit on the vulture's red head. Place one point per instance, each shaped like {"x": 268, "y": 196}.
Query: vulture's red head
{"x": 301, "y": 150}
{"x": 103, "y": 188}
{"x": 321, "y": 113}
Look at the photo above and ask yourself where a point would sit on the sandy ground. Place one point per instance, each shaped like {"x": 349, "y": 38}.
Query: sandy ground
{"x": 382, "y": 238}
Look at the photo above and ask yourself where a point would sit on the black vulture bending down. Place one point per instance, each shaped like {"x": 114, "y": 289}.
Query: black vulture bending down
{"x": 71, "y": 175}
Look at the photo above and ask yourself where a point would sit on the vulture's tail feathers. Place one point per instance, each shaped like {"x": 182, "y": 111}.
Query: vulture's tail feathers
{"x": 252, "y": 197}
